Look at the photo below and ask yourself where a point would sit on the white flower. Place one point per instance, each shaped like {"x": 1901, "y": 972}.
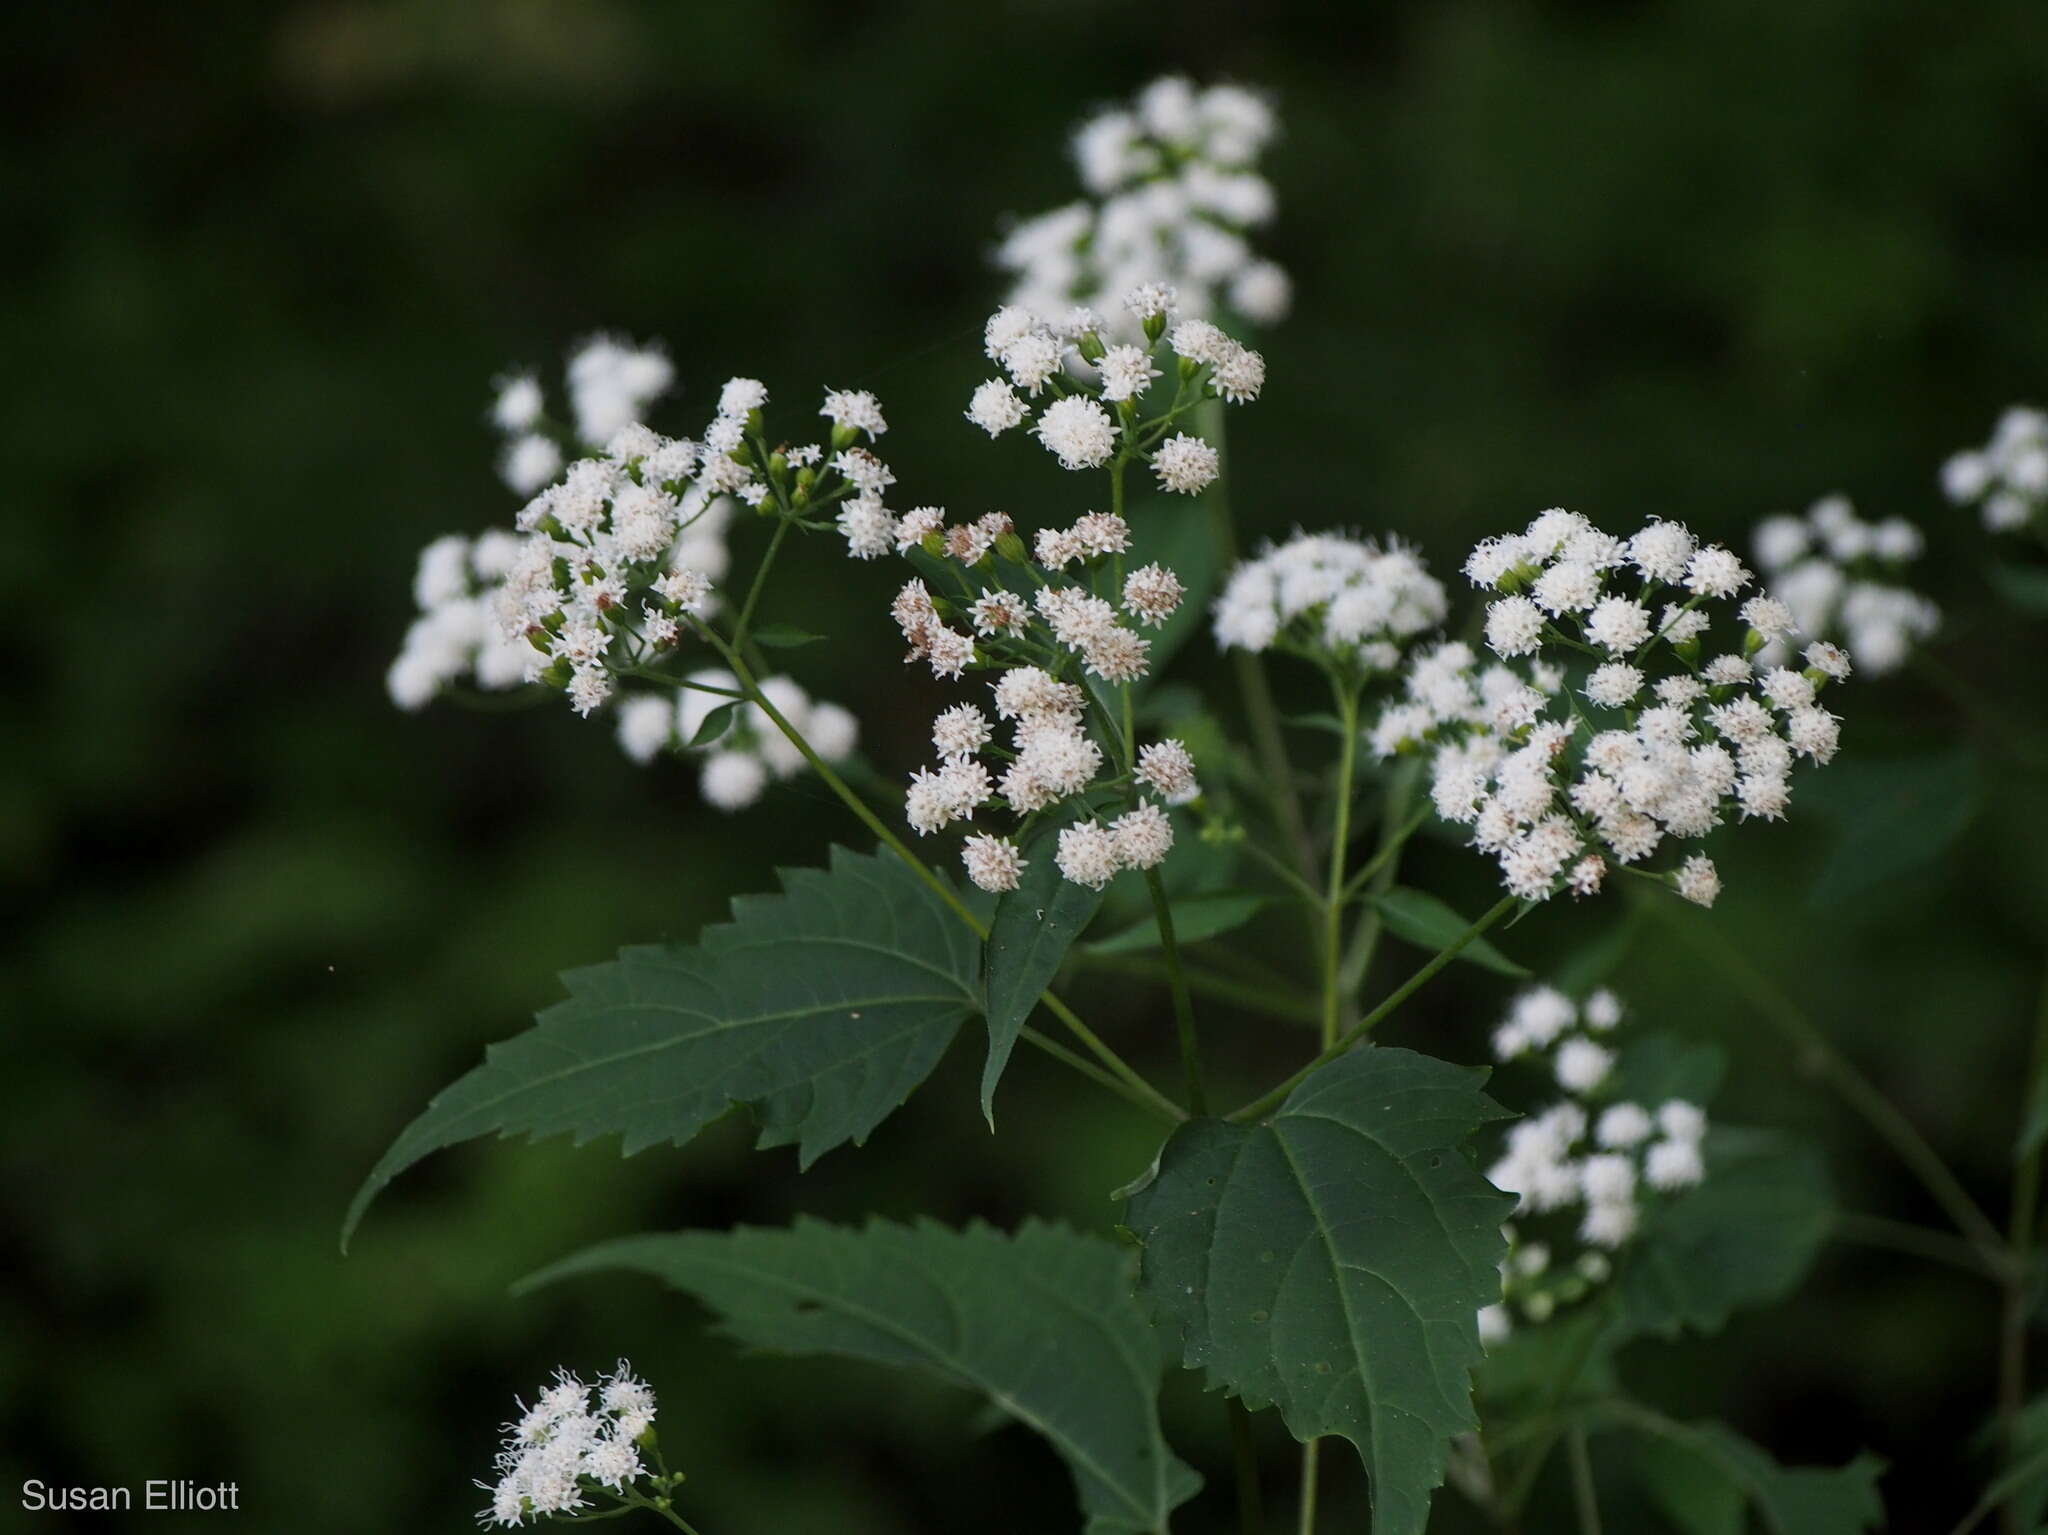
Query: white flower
{"x": 1152, "y": 593}
{"x": 992, "y": 862}
{"x": 995, "y": 407}
{"x": 1514, "y": 626}
{"x": 1167, "y": 767}
{"x": 1240, "y": 375}
{"x": 1151, "y": 300}
{"x": 646, "y": 726}
{"x": 1623, "y": 1125}
{"x": 1078, "y": 432}
{"x": 732, "y": 780}
{"x": 1618, "y": 624}
{"x": 1089, "y": 854}
{"x": 530, "y": 462}
{"x": 1328, "y": 591}
{"x": 1185, "y": 464}
{"x": 1674, "y": 1164}
{"x": 1127, "y": 372}
{"x": 854, "y": 410}
{"x": 1582, "y": 1065}
{"x": 1144, "y": 836}
{"x": 832, "y": 731}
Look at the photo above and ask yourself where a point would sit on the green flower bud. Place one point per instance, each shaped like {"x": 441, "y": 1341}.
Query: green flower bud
{"x": 1011, "y": 548}
{"x": 1753, "y": 641}
{"x": 1090, "y": 346}
{"x": 1155, "y": 326}
{"x": 558, "y": 674}
{"x": 844, "y": 437}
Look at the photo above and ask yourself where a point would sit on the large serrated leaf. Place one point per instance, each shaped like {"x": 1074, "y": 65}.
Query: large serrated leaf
{"x": 823, "y": 1006}
{"x": 1033, "y": 927}
{"x": 1703, "y": 1475}
{"x": 1745, "y": 1236}
{"x": 1331, "y": 1261}
{"x": 1043, "y": 1323}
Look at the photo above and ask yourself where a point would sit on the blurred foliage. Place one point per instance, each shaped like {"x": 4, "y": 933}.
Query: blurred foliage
{"x": 1705, "y": 259}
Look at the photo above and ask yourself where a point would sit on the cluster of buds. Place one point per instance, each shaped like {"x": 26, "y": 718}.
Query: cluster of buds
{"x": 1620, "y": 719}
{"x": 1043, "y": 647}
{"x": 1093, "y": 387}
{"x": 1339, "y": 600}
{"x": 2007, "y": 478}
{"x": 1173, "y": 191}
{"x": 1582, "y": 1167}
{"x": 1840, "y": 577}
{"x": 578, "y": 1442}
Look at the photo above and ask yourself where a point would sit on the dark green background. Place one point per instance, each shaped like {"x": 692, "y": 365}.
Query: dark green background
{"x": 1705, "y": 260}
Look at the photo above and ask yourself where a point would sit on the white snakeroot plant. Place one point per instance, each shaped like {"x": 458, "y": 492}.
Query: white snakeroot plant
{"x": 2007, "y": 478}
{"x": 1331, "y": 1247}
{"x": 1841, "y": 577}
{"x": 1173, "y": 193}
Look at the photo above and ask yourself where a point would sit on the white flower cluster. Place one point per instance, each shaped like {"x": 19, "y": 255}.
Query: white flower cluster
{"x": 1838, "y": 574}
{"x": 1061, "y": 630}
{"x": 1330, "y": 596}
{"x": 575, "y": 1439}
{"x": 1086, "y": 425}
{"x": 1173, "y": 189}
{"x": 2007, "y": 478}
{"x": 1657, "y": 728}
{"x": 751, "y": 753}
{"x": 1583, "y": 1166}
{"x": 456, "y": 635}
{"x": 610, "y": 384}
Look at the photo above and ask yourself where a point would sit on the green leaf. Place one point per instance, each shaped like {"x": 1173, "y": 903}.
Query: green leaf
{"x": 1195, "y": 917}
{"x": 1042, "y": 1323}
{"x": 1658, "y": 1067}
{"x": 823, "y": 1007}
{"x": 2035, "y": 1129}
{"x": 1892, "y": 816}
{"x": 2024, "y": 587}
{"x": 715, "y": 724}
{"x": 782, "y": 637}
{"x": 1033, "y": 928}
{"x": 1702, "y": 1476}
{"x": 1418, "y": 917}
{"x": 1332, "y": 1260}
{"x": 1743, "y": 1237}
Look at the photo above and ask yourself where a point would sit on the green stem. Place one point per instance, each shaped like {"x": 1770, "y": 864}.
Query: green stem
{"x": 1262, "y": 1106}
{"x": 1385, "y": 864}
{"x": 739, "y": 628}
{"x": 1183, "y": 1008}
{"x": 1584, "y": 1496}
{"x": 1251, "y": 1512}
{"x": 1818, "y": 1058}
{"x": 2020, "y": 1232}
{"x": 1340, "y": 841}
{"x": 1310, "y": 1453}
{"x": 1918, "y": 1241}
{"x": 1245, "y": 994}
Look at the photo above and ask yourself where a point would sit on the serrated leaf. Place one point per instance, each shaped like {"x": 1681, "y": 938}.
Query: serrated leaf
{"x": 782, "y": 637}
{"x": 1892, "y": 815}
{"x": 1195, "y": 917}
{"x": 1332, "y": 1261}
{"x": 715, "y": 724}
{"x": 1743, "y": 1237}
{"x": 822, "y": 1006}
{"x": 1042, "y": 1323}
{"x": 1417, "y": 917}
{"x": 1702, "y": 1476}
{"x": 1033, "y": 927}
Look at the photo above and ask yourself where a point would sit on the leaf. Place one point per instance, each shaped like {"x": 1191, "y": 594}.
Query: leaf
{"x": 782, "y": 637}
{"x": 1420, "y": 918}
{"x": 1042, "y": 1323}
{"x": 1195, "y": 917}
{"x": 1033, "y": 927}
{"x": 1893, "y": 816}
{"x": 823, "y": 1006}
{"x": 1702, "y": 1475}
{"x": 1332, "y": 1261}
{"x": 2035, "y": 1129}
{"x": 1659, "y": 1067}
{"x": 1743, "y": 1237}
{"x": 715, "y": 724}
